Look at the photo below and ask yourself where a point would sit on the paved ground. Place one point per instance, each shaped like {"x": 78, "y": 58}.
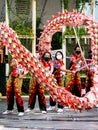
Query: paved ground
{"x": 68, "y": 120}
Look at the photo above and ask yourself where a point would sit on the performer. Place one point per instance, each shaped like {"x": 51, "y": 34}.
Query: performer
{"x": 13, "y": 88}
{"x": 58, "y": 74}
{"x": 37, "y": 89}
{"x": 90, "y": 73}
{"x": 76, "y": 60}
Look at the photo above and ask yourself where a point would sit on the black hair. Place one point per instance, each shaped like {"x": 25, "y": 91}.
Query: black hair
{"x": 45, "y": 54}
{"x": 76, "y": 46}
{"x": 60, "y": 53}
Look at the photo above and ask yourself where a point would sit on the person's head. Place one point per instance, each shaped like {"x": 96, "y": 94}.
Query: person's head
{"x": 47, "y": 56}
{"x": 59, "y": 55}
{"x": 77, "y": 50}
{"x": 14, "y": 62}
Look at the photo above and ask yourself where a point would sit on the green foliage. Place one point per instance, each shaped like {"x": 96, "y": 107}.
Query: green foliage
{"x": 80, "y": 31}
{"x": 27, "y": 43}
{"x": 22, "y": 28}
{"x": 38, "y": 29}
{"x": 80, "y": 4}
{"x": 21, "y": 23}
{"x": 57, "y": 41}
{"x": 65, "y": 2}
{"x": 69, "y": 31}
{"x": 38, "y": 22}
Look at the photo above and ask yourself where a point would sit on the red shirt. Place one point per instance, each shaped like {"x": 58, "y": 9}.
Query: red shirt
{"x": 90, "y": 66}
{"x": 75, "y": 66}
{"x": 48, "y": 65}
{"x": 58, "y": 64}
{"x": 14, "y": 72}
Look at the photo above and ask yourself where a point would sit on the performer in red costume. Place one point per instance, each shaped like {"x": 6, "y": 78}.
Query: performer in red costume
{"x": 37, "y": 89}
{"x": 90, "y": 73}
{"x": 13, "y": 88}
{"x": 76, "y": 61}
{"x": 59, "y": 68}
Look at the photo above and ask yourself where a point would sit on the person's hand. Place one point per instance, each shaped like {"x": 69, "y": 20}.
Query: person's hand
{"x": 68, "y": 71}
{"x": 73, "y": 72}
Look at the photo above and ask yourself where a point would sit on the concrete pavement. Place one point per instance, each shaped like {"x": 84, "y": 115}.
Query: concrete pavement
{"x": 68, "y": 120}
